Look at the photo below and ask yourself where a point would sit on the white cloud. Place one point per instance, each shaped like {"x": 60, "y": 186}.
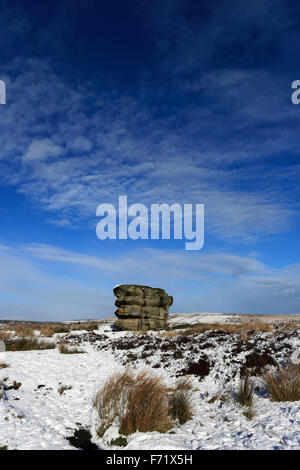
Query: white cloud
{"x": 190, "y": 267}
{"x": 52, "y": 253}
{"x": 81, "y": 143}
{"x": 42, "y": 149}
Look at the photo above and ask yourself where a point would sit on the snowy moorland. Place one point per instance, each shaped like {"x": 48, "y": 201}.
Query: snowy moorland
{"x": 47, "y": 396}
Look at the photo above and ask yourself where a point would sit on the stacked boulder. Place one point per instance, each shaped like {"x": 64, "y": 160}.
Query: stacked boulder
{"x": 141, "y": 307}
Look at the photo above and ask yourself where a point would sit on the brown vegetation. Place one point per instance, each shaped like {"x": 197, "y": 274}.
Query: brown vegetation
{"x": 183, "y": 384}
{"x": 62, "y": 388}
{"x": 256, "y": 363}
{"x": 228, "y": 328}
{"x": 66, "y": 349}
{"x": 15, "y": 386}
{"x": 141, "y": 403}
{"x": 245, "y": 392}
{"x": 119, "y": 441}
{"x": 27, "y": 344}
{"x": 180, "y": 407}
{"x": 147, "y": 407}
{"x": 283, "y": 384}
{"x": 200, "y": 369}
{"x": 45, "y": 329}
{"x": 4, "y": 335}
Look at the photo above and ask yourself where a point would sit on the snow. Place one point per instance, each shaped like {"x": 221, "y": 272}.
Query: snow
{"x": 37, "y": 416}
{"x": 192, "y": 318}
{"x": 49, "y": 417}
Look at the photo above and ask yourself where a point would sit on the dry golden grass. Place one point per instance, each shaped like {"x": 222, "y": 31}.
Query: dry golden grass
{"x": 3, "y": 365}
{"x": 50, "y": 330}
{"x": 170, "y": 333}
{"x": 147, "y": 407}
{"x": 249, "y": 414}
{"x": 244, "y": 336}
{"x": 283, "y": 384}
{"x": 241, "y": 328}
{"x": 23, "y": 330}
{"x": 88, "y": 326}
{"x": 46, "y": 329}
{"x": 111, "y": 399}
{"x": 4, "y": 335}
{"x": 183, "y": 384}
{"x": 141, "y": 403}
{"x": 233, "y": 328}
{"x": 20, "y": 330}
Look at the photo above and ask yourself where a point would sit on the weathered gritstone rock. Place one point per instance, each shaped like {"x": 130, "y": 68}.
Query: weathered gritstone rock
{"x": 141, "y": 307}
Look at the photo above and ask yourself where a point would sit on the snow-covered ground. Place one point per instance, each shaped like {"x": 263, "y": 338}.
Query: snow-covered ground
{"x": 193, "y": 318}
{"x": 37, "y": 416}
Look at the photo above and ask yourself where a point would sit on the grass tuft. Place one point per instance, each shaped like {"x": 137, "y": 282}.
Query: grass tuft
{"x": 283, "y": 384}
{"x": 180, "y": 406}
{"x": 245, "y": 392}
{"x": 147, "y": 406}
{"x": 249, "y": 414}
{"x": 119, "y": 441}
{"x": 111, "y": 399}
{"x": 183, "y": 384}
{"x": 65, "y": 349}
{"x": 141, "y": 403}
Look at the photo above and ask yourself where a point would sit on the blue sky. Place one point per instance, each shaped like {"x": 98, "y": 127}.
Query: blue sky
{"x": 162, "y": 101}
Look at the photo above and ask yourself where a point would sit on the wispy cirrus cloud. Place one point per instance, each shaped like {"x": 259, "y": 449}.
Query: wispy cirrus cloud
{"x": 207, "y": 130}
{"x": 89, "y": 156}
{"x": 199, "y": 265}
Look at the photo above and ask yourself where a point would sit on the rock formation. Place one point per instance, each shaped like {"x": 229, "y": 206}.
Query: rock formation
{"x": 141, "y": 307}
